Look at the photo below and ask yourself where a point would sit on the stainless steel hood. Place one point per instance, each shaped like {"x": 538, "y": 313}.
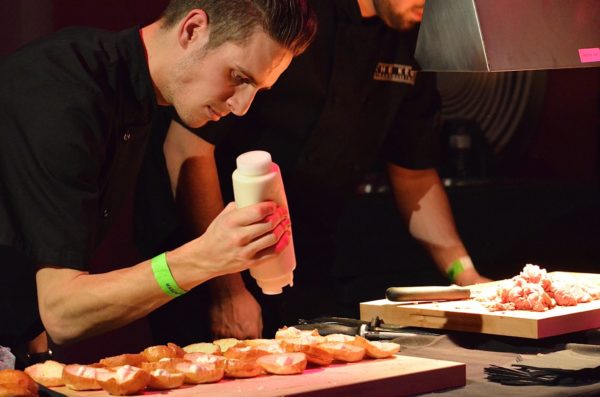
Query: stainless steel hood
{"x": 505, "y": 35}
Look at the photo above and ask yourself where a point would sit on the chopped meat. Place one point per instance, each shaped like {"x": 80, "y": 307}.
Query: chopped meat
{"x": 534, "y": 289}
{"x": 568, "y": 292}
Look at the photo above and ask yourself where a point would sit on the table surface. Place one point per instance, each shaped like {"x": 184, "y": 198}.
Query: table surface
{"x": 479, "y": 351}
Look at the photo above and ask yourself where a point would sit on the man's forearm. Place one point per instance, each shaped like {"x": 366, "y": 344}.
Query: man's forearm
{"x": 424, "y": 205}
{"x": 195, "y": 183}
{"x": 75, "y": 305}
{"x": 434, "y": 227}
{"x": 227, "y": 285}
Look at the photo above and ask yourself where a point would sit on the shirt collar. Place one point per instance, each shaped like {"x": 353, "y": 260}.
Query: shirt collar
{"x": 351, "y": 10}
{"x": 133, "y": 52}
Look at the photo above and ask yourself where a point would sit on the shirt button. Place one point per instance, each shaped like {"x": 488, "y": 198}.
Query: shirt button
{"x": 126, "y": 136}
{"x": 105, "y": 213}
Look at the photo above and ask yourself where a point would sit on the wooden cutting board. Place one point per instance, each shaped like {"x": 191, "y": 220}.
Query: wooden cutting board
{"x": 397, "y": 376}
{"x": 471, "y": 316}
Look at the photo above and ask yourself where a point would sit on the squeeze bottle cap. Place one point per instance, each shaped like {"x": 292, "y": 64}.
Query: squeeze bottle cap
{"x": 256, "y": 162}
{"x": 274, "y": 286}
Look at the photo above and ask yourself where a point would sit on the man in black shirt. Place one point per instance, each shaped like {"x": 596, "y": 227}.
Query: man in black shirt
{"x": 76, "y": 110}
{"x": 353, "y": 101}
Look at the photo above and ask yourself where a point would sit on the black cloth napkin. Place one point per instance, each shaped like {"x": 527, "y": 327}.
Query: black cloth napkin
{"x": 575, "y": 365}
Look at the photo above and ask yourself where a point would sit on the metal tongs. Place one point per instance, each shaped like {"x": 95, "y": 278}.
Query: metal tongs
{"x": 372, "y": 330}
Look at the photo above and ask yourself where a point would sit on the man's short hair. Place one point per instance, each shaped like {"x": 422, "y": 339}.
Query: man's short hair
{"x": 291, "y": 23}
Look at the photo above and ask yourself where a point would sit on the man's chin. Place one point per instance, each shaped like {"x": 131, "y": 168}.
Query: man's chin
{"x": 406, "y": 25}
{"x": 410, "y": 25}
{"x": 196, "y": 123}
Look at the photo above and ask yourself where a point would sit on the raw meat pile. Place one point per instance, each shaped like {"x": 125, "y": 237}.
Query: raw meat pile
{"x": 534, "y": 289}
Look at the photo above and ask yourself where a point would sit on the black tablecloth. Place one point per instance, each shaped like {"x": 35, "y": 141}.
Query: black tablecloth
{"x": 480, "y": 351}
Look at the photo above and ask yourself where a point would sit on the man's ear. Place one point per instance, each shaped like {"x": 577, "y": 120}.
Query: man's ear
{"x": 193, "y": 27}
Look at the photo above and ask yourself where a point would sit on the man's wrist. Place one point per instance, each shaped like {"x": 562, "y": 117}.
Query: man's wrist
{"x": 458, "y": 267}
{"x": 164, "y": 277}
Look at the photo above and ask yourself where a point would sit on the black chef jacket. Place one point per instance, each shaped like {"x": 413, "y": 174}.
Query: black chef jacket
{"x": 75, "y": 112}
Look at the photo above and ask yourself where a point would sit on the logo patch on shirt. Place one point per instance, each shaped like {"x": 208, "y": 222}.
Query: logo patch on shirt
{"x": 395, "y": 73}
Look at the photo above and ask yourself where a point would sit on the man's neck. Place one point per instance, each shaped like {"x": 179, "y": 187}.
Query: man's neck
{"x": 367, "y": 9}
{"x": 155, "y": 53}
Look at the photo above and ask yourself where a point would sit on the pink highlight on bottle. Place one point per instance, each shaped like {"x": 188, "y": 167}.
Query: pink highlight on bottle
{"x": 589, "y": 55}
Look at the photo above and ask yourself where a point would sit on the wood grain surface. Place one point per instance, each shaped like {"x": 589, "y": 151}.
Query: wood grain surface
{"x": 397, "y": 376}
{"x": 469, "y": 315}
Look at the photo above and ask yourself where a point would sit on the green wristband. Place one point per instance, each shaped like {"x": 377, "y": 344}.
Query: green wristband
{"x": 457, "y": 267}
{"x": 454, "y": 270}
{"x": 164, "y": 278}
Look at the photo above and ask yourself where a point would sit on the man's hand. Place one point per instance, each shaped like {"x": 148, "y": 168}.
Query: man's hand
{"x": 237, "y": 238}
{"x": 236, "y": 316}
{"x": 234, "y": 312}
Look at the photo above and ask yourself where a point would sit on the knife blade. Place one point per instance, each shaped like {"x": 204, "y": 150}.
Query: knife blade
{"x": 427, "y": 293}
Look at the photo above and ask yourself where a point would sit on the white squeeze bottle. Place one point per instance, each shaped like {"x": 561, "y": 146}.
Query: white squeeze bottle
{"x": 257, "y": 178}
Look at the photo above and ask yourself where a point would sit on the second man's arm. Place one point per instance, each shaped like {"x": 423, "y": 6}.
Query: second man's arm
{"x": 195, "y": 184}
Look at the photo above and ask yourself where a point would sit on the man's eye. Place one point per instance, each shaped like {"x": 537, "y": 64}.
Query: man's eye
{"x": 239, "y": 79}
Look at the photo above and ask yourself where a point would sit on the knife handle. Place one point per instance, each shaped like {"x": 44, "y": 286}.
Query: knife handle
{"x": 427, "y": 293}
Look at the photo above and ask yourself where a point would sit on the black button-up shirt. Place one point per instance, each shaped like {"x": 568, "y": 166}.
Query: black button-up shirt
{"x": 75, "y": 111}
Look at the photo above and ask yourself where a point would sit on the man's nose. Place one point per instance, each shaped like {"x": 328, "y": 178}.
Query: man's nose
{"x": 240, "y": 101}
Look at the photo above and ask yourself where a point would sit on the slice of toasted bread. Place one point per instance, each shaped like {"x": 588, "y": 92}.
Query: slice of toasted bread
{"x": 283, "y": 363}
{"x": 345, "y": 352}
{"x": 226, "y": 343}
{"x": 203, "y": 347}
{"x": 135, "y": 359}
{"x": 161, "y": 379}
{"x": 15, "y": 383}
{"x": 376, "y": 349}
{"x": 81, "y": 377}
{"x": 124, "y": 380}
{"x": 49, "y": 373}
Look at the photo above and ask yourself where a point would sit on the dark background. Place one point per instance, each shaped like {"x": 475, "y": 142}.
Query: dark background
{"x": 539, "y": 203}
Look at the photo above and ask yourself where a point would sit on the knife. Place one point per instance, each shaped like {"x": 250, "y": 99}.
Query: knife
{"x": 430, "y": 293}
